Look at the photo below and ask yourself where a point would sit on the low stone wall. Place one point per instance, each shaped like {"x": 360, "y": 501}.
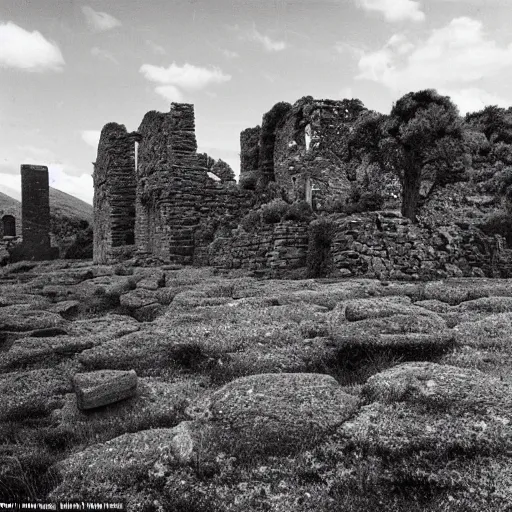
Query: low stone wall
{"x": 381, "y": 245}
{"x": 274, "y": 247}
{"x": 388, "y": 246}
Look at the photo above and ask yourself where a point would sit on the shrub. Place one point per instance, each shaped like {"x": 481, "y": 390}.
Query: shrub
{"x": 499, "y": 223}
{"x": 251, "y": 220}
{"x": 300, "y": 211}
{"x": 273, "y": 212}
{"x": 321, "y": 232}
{"x": 249, "y": 180}
{"x": 81, "y": 247}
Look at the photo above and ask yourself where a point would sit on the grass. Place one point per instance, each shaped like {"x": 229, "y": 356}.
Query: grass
{"x": 399, "y": 455}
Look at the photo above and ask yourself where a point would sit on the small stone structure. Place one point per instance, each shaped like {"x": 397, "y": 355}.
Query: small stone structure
{"x": 35, "y": 212}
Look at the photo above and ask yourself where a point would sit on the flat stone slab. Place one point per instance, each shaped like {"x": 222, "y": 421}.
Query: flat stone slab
{"x": 104, "y": 387}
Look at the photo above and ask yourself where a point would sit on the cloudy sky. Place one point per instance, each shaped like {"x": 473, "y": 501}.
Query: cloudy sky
{"x": 67, "y": 67}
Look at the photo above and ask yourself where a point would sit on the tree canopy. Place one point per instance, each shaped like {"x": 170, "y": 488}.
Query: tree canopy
{"x": 422, "y": 138}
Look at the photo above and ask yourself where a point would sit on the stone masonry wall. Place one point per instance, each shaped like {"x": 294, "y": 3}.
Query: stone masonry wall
{"x": 274, "y": 247}
{"x": 381, "y": 245}
{"x": 325, "y": 163}
{"x": 114, "y": 193}
{"x": 249, "y": 150}
{"x": 175, "y": 196}
{"x": 387, "y": 246}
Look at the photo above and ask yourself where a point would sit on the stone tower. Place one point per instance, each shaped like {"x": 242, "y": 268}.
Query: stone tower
{"x": 35, "y": 212}
{"x": 114, "y": 193}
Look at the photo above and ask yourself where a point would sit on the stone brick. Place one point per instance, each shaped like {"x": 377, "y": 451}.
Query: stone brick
{"x": 103, "y": 387}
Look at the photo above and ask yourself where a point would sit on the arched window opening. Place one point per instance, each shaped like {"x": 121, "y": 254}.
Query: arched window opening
{"x": 9, "y": 225}
{"x": 307, "y": 133}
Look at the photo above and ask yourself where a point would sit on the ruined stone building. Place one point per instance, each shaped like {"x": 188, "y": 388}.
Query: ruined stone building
{"x": 153, "y": 194}
{"x": 304, "y": 149}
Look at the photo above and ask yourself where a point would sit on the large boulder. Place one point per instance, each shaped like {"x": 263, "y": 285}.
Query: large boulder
{"x": 427, "y": 323}
{"x": 117, "y": 469}
{"x": 492, "y": 331}
{"x": 445, "y": 387}
{"x": 278, "y": 412}
{"x": 361, "y": 309}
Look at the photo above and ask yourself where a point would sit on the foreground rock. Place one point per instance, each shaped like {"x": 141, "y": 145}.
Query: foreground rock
{"x": 271, "y": 413}
{"x": 104, "y": 387}
{"x": 447, "y": 429}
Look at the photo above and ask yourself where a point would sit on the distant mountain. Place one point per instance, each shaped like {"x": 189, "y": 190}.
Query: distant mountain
{"x": 66, "y": 205}
{"x": 8, "y": 203}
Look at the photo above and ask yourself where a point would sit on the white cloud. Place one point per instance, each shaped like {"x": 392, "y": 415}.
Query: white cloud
{"x": 455, "y": 57}
{"x": 270, "y": 45}
{"x": 474, "y": 99}
{"x": 176, "y": 78}
{"x": 169, "y": 92}
{"x": 79, "y": 186}
{"x": 29, "y": 51}
{"x": 99, "y": 21}
{"x": 91, "y": 137}
{"x": 103, "y": 55}
{"x": 394, "y": 10}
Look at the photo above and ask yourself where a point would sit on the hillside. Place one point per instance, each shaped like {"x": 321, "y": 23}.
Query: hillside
{"x": 66, "y": 205}
{"x": 61, "y": 205}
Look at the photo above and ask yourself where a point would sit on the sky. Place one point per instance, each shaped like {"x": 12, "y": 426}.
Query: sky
{"x": 68, "y": 67}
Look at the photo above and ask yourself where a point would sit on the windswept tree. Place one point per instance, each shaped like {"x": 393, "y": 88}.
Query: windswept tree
{"x": 421, "y": 139}
{"x": 424, "y": 140}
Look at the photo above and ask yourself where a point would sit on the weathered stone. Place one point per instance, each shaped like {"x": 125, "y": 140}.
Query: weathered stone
{"x": 104, "y": 387}
{"x": 443, "y": 386}
{"x": 493, "y": 331}
{"x": 21, "y": 318}
{"x": 269, "y": 412}
{"x": 393, "y": 324}
{"x": 361, "y": 309}
{"x": 138, "y": 298}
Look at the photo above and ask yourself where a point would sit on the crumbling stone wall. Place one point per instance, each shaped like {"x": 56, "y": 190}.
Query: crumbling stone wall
{"x": 114, "y": 193}
{"x": 175, "y": 196}
{"x": 275, "y": 247}
{"x": 388, "y": 246}
{"x": 35, "y": 211}
{"x": 323, "y": 170}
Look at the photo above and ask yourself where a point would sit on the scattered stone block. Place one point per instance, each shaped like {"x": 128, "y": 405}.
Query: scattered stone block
{"x": 104, "y": 387}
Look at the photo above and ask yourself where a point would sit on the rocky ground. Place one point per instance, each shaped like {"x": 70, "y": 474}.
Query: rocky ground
{"x": 187, "y": 389}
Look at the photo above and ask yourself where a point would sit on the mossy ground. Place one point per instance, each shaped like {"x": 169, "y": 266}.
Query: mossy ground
{"x": 214, "y": 327}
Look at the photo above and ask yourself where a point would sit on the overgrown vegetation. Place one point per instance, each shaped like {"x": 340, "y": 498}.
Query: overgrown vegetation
{"x": 321, "y": 233}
